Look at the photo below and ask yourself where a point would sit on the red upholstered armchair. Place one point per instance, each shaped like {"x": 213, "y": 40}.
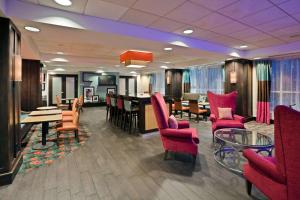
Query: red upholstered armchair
{"x": 224, "y": 101}
{"x": 278, "y": 177}
{"x": 184, "y": 139}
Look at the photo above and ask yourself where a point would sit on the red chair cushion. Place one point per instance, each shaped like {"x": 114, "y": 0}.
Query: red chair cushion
{"x": 222, "y": 123}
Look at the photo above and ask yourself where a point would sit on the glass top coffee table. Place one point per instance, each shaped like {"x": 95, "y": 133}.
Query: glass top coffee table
{"x": 230, "y": 143}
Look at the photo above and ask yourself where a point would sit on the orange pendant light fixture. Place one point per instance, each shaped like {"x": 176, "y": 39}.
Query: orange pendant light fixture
{"x": 136, "y": 59}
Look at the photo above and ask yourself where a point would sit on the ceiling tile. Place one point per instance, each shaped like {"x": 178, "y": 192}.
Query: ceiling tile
{"x": 157, "y": 7}
{"x": 264, "y": 16}
{"x": 188, "y": 13}
{"x": 277, "y": 24}
{"x": 291, "y": 7}
{"x": 212, "y": 20}
{"x": 229, "y": 28}
{"x": 297, "y": 16}
{"x": 138, "y": 17}
{"x": 257, "y": 37}
{"x": 77, "y": 5}
{"x": 126, "y": 3}
{"x": 287, "y": 32}
{"x": 166, "y": 25}
{"x": 269, "y": 42}
{"x": 244, "y": 8}
{"x": 31, "y": 1}
{"x": 214, "y": 4}
{"x": 279, "y": 1}
{"x": 241, "y": 35}
{"x": 104, "y": 9}
{"x": 227, "y": 41}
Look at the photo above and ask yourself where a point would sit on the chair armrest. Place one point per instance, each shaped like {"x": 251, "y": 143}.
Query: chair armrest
{"x": 187, "y": 133}
{"x": 183, "y": 124}
{"x": 239, "y": 118}
{"x": 263, "y": 165}
{"x": 212, "y": 118}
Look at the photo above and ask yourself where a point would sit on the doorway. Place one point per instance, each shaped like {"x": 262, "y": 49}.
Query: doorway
{"x": 62, "y": 85}
{"x": 128, "y": 85}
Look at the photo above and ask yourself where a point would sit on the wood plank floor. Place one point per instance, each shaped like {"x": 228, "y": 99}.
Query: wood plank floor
{"x": 115, "y": 165}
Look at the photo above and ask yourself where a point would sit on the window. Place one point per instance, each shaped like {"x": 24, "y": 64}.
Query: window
{"x": 157, "y": 80}
{"x": 207, "y": 78}
{"x": 285, "y": 79}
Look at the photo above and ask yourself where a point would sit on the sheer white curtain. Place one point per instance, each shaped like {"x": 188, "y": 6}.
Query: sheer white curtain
{"x": 204, "y": 78}
{"x": 158, "y": 82}
{"x": 285, "y": 83}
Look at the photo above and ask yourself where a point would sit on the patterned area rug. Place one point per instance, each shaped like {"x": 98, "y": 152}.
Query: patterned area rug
{"x": 67, "y": 143}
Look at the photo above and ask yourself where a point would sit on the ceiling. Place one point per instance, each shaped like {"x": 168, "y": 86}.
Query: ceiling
{"x": 260, "y": 24}
{"x": 256, "y": 23}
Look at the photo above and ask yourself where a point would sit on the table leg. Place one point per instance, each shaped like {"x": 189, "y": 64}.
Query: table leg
{"x": 44, "y": 144}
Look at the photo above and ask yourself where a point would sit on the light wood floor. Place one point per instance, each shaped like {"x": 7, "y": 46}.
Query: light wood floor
{"x": 115, "y": 165}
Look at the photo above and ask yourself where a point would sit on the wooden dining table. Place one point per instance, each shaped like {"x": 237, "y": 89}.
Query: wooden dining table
{"x": 45, "y": 120}
{"x": 45, "y": 112}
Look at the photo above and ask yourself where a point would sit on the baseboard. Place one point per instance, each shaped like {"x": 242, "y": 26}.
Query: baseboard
{"x": 8, "y": 177}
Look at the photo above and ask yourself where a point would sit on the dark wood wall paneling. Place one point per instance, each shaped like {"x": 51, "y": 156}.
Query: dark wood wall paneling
{"x": 243, "y": 86}
{"x": 10, "y": 141}
{"x": 174, "y": 88}
{"x": 31, "y": 97}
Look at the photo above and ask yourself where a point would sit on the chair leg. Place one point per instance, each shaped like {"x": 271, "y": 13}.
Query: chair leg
{"x": 166, "y": 154}
{"x": 198, "y": 118}
{"x": 76, "y": 135}
{"x": 194, "y": 159}
{"x": 107, "y": 109}
{"x": 181, "y": 114}
{"x": 190, "y": 114}
{"x": 57, "y": 137}
{"x": 248, "y": 187}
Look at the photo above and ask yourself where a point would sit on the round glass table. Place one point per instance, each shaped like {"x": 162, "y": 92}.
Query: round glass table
{"x": 230, "y": 143}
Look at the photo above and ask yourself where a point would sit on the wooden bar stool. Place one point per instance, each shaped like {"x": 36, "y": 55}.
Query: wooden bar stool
{"x": 113, "y": 109}
{"x": 107, "y": 100}
{"x": 131, "y": 115}
{"x": 120, "y": 110}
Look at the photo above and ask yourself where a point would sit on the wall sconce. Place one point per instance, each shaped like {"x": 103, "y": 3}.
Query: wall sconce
{"x": 233, "y": 75}
{"x": 168, "y": 80}
{"x": 17, "y": 74}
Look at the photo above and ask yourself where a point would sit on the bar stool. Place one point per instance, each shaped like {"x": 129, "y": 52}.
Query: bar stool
{"x": 120, "y": 110}
{"x": 131, "y": 114}
{"x": 113, "y": 109}
{"x": 180, "y": 107}
{"x": 107, "y": 100}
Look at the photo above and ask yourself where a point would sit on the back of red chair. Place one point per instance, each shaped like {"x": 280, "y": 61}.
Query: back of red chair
{"x": 120, "y": 103}
{"x": 222, "y": 101}
{"x": 107, "y": 99}
{"x": 160, "y": 110}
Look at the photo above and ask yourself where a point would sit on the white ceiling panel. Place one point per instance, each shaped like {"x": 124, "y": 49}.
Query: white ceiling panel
{"x": 31, "y": 1}
{"x": 277, "y": 24}
{"x": 138, "y": 17}
{"x": 229, "y": 28}
{"x": 292, "y": 6}
{"x": 77, "y": 5}
{"x": 244, "y": 8}
{"x": 158, "y": 7}
{"x": 188, "y": 13}
{"x": 214, "y": 4}
{"x": 247, "y": 33}
{"x": 279, "y": 1}
{"x": 126, "y": 3}
{"x": 254, "y": 39}
{"x": 264, "y": 16}
{"x": 212, "y": 20}
{"x": 269, "y": 42}
{"x": 164, "y": 24}
{"x": 104, "y": 9}
{"x": 287, "y": 32}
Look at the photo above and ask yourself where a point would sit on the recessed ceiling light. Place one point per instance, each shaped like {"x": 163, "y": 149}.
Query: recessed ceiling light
{"x": 60, "y": 53}
{"x": 164, "y": 67}
{"x": 235, "y": 54}
{"x": 64, "y": 2}
{"x": 59, "y": 60}
{"x": 32, "y": 29}
{"x": 47, "y": 61}
{"x": 188, "y": 31}
{"x": 99, "y": 71}
{"x": 256, "y": 58}
{"x": 167, "y": 62}
{"x": 132, "y": 72}
{"x": 59, "y": 69}
{"x": 243, "y": 46}
{"x": 168, "y": 48}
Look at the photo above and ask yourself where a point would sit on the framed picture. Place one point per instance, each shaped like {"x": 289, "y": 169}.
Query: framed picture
{"x": 96, "y": 98}
{"x": 88, "y": 93}
{"x": 111, "y": 91}
{"x": 43, "y": 86}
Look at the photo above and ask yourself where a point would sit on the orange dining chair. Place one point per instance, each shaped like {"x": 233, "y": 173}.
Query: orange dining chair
{"x": 69, "y": 127}
{"x": 80, "y": 103}
{"x": 194, "y": 109}
{"x": 74, "y": 109}
{"x": 60, "y": 105}
{"x": 180, "y": 107}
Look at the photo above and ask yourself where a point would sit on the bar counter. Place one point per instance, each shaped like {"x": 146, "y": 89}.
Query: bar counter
{"x": 147, "y": 120}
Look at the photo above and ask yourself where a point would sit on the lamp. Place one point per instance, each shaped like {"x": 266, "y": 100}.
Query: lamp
{"x": 136, "y": 59}
{"x": 233, "y": 75}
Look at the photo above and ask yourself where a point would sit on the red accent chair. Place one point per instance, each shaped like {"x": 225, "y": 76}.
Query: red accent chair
{"x": 224, "y": 101}
{"x": 278, "y": 177}
{"x": 184, "y": 139}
